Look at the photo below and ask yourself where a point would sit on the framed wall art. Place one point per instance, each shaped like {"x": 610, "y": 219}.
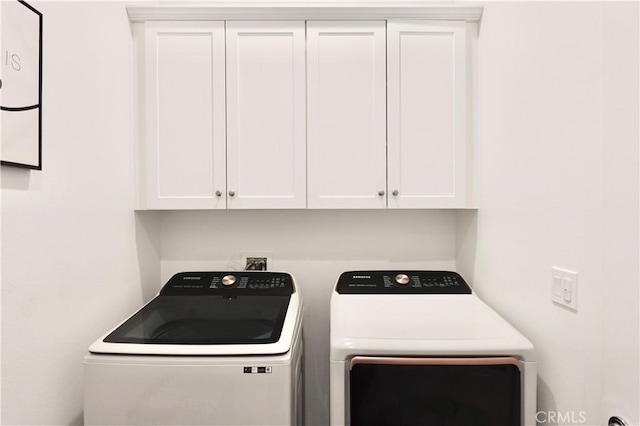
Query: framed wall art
{"x": 21, "y": 85}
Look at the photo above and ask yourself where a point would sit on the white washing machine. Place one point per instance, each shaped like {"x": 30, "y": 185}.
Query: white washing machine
{"x": 213, "y": 348}
{"x": 420, "y": 348}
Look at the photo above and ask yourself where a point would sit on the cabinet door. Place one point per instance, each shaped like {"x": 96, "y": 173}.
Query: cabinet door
{"x": 426, "y": 114}
{"x": 266, "y": 114}
{"x": 185, "y": 115}
{"x": 346, "y": 119}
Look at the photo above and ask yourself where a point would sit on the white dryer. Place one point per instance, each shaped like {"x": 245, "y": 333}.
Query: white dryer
{"x": 213, "y": 348}
{"x": 420, "y": 348}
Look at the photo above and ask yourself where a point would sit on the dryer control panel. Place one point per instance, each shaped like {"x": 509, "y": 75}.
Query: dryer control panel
{"x": 231, "y": 283}
{"x": 402, "y": 282}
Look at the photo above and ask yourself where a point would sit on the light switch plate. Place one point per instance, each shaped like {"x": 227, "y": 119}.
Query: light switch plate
{"x": 564, "y": 287}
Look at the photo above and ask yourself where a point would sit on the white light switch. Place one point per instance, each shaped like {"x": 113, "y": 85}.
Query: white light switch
{"x": 558, "y": 288}
{"x": 567, "y": 289}
{"x": 564, "y": 287}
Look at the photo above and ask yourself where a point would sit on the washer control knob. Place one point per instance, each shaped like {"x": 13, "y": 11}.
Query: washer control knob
{"x": 402, "y": 279}
{"x": 228, "y": 280}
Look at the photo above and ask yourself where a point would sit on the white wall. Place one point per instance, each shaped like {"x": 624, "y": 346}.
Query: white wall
{"x": 69, "y": 261}
{"x": 621, "y": 288}
{"x": 558, "y": 179}
{"x": 315, "y": 246}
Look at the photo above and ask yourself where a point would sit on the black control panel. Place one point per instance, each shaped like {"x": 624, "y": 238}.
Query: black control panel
{"x": 230, "y": 283}
{"x": 402, "y": 282}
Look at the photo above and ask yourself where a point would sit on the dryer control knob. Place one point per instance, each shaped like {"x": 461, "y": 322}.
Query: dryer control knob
{"x": 228, "y": 280}
{"x": 402, "y": 279}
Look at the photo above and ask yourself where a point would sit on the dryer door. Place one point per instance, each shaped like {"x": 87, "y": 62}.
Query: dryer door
{"x": 435, "y": 391}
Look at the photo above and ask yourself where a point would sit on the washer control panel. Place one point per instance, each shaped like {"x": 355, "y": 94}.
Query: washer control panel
{"x": 229, "y": 283}
{"x": 402, "y": 282}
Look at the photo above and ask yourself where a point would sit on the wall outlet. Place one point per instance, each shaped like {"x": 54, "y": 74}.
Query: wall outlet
{"x": 256, "y": 261}
{"x": 564, "y": 288}
{"x": 256, "y": 264}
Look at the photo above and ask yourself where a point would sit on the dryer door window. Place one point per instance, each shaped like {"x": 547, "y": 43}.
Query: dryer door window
{"x": 434, "y": 392}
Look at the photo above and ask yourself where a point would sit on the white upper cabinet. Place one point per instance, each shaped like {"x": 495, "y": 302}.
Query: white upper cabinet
{"x": 426, "y": 114}
{"x": 266, "y": 155}
{"x": 346, "y": 114}
{"x": 184, "y": 154}
{"x": 322, "y": 114}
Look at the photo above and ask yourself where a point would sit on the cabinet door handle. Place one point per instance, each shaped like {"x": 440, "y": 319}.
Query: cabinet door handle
{"x": 218, "y": 194}
{"x": 232, "y": 193}
{"x": 395, "y": 192}
{"x": 381, "y": 192}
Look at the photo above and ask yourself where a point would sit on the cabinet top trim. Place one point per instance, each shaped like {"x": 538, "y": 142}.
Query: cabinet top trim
{"x": 220, "y": 10}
